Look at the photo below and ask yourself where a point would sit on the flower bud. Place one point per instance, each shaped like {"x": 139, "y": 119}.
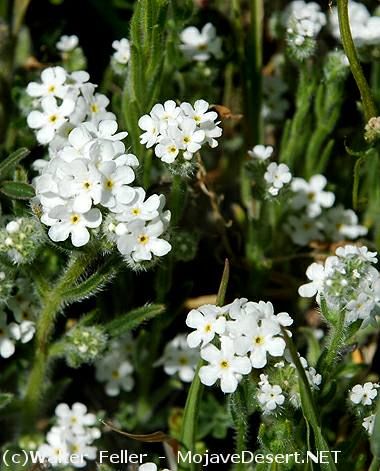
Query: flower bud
{"x": 84, "y": 345}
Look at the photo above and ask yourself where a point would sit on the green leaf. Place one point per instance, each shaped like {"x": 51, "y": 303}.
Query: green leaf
{"x": 5, "y": 399}
{"x": 17, "y": 190}
{"x": 12, "y": 160}
{"x": 133, "y": 319}
{"x": 92, "y": 284}
{"x": 375, "y": 437}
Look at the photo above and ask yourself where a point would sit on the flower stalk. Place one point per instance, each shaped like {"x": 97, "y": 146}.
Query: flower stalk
{"x": 369, "y": 106}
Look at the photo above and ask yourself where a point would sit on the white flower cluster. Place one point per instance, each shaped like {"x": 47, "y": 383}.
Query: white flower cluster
{"x": 115, "y": 368}
{"x": 363, "y": 397}
{"x": 122, "y": 52}
{"x": 179, "y": 130}
{"x": 315, "y": 218}
{"x": 91, "y": 170}
{"x": 20, "y": 240}
{"x": 276, "y": 175}
{"x": 73, "y": 434}
{"x": 365, "y": 29}
{"x": 179, "y": 359}
{"x": 24, "y": 308}
{"x": 62, "y": 101}
{"x": 303, "y": 22}
{"x": 201, "y": 45}
{"x": 269, "y": 396}
{"x": 347, "y": 281}
{"x": 244, "y": 335}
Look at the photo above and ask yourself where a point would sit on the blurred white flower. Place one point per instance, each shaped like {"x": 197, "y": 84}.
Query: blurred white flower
{"x": 311, "y": 195}
{"x": 122, "y": 52}
{"x": 201, "y": 45}
{"x": 179, "y": 359}
{"x": 364, "y": 394}
{"x": 261, "y": 152}
{"x": 277, "y": 175}
{"x": 67, "y": 43}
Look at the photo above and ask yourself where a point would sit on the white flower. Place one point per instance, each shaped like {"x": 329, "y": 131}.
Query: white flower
{"x": 123, "y": 51}
{"x": 79, "y": 446}
{"x": 115, "y": 181}
{"x": 361, "y": 252}
{"x": 168, "y": 148}
{"x": 310, "y": 195}
{"x": 224, "y": 365}
{"x": 302, "y": 229}
{"x": 53, "y": 80}
{"x": 338, "y": 222}
{"x": 277, "y": 175}
{"x": 56, "y": 449}
{"x": 359, "y": 308}
{"x": 316, "y": 274}
{"x": 76, "y": 418}
{"x": 166, "y": 114}
{"x": 365, "y": 394}
{"x": 199, "y": 112}
{"x": 66, "y": 222}
{"x": 191, "y": 137}
{"x": 369, "y": 423}
{"x": 52, "y": 117}
{"x": 261, "y": 152}
{"x": 151, "y": 127}
{"x": 270, "y": 397}
{"x": 141, "y": 241}
{"x": 179, "y": 359}
{"x": 67, "y": 43}
{"x": 8, "y": 334}
{"x": 259, "y": 339}
{"x": 116, "y": 372}
{"x": 201, "y": 45}
{"x": 207, "y": 321}
{"x": 140, "y": 208}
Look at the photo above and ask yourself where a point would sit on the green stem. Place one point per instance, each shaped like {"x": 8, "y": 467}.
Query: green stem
{"x": 51, "y": 303}
{"x": 336, "y": 342}
{"x": 375, "y": 464}
{"x": 356, "y": 69}
{"x": 177, "y": 198}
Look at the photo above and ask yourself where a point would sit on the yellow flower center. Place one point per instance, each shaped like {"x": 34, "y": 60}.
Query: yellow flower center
{"x": 183, "y": 361}
{"x": 74, "y": 219}
{"x": 208, "y": 328}
{"x": 172, "y": 149}
{"x": 109, "y": 184}
{"x": 197, "y": 118}
{"x": 224, "y": 364}
{"x": 86, "y": 185}
{"x": 53, "y": 118}
{"x": 51, "y": 89}
{"x": 136, "y": 211}
{"x": 258, "y": 340}
{"x": 143, "y": 239}
{"x": 186, "y": 139}
{"x": 115, "y": 374}
{"x": 94, "y": 108}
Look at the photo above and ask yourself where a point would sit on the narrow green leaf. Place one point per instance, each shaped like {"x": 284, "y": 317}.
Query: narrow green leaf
{"x": 12, "y": 160}
{"x": 17, "y": 190}
{"x": 92, "y": 284}
{"x": 191, "y": 412}
{"x": 126, "y": 322}
{"x": 5, "y": 399}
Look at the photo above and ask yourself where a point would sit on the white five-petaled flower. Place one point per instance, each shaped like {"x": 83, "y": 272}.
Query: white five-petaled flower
{"x": 122, "y": 52}
{"x": 67, "y": 43}
{"x": 277, "y": 175}
{"x": 224, "y": 365}
{"x": 364, "y": 394}
{"x": 259, "y": 339}
{"x": 75, "y": 418}
{"x": 66, "y": 222}
{"x": 269, "y": 396}
{"x": 179, "y": 359}
{"x": 51, "y": 118}
{"x": 115, "y": 372}
{"x": 52, "y": 84}
{"x": 208, "y": 321}
{"x": 201, "y": 45}
{"x": 141, "y": 241}
{"x": 311, "y": 195}
{"x": 261, "y": 152}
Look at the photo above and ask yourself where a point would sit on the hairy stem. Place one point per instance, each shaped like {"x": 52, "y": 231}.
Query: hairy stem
{"x": 51, "y": 304}
{"x": 356, "y": 69}
{"x": 336, "y": 342}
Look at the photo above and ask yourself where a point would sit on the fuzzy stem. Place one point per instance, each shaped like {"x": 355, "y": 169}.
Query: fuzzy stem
{"x": 336, "y": 341}
{"x": 52, "y": 303}
{"x": 356, "y": 69}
